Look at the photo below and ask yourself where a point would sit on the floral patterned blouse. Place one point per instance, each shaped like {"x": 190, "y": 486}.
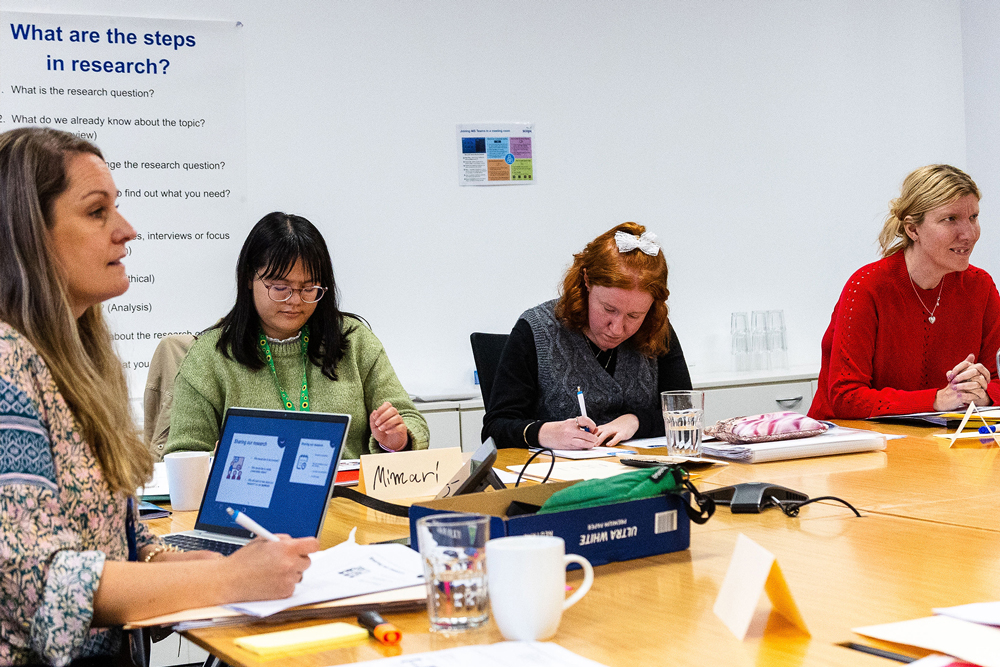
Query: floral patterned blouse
{"x": 59, "y": 520}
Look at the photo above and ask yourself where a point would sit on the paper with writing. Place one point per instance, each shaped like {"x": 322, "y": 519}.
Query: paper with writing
{"x": 346, "y": 570}
{"x": 409, "y": 474}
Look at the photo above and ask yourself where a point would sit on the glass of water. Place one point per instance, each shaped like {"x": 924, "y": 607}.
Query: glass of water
{"x": 453, "y": 548}
{"x": 682, "y": 417}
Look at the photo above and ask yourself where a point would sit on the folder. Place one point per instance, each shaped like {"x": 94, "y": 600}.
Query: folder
{"x": 403, "y": 599}
{"x": 838, "y": 440}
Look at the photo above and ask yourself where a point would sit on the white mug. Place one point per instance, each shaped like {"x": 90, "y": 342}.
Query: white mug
{"x": 187, "y": 475}
{"x": 527, "y": 582}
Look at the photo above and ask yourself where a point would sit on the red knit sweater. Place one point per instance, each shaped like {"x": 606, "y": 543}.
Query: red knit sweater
{"x": 882, "y": 357}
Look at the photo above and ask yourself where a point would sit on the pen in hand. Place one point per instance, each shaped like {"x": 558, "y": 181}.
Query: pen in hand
{"x": 583, "y": 406}
{"x": 251, "y": 525}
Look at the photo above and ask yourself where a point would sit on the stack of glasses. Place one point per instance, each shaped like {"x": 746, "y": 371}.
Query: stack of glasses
{"x": 761, "y": 343}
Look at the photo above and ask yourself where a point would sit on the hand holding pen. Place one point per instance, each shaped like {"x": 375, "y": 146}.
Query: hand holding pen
{"x": 268, "y": 568}
{"x": 575, "y": 433}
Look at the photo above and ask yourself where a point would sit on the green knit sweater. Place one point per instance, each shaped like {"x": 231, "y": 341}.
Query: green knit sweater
{"x": 208, "y": 384}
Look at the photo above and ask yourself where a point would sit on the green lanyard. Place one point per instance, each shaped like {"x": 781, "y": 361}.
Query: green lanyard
{"x": 304, "y": 394}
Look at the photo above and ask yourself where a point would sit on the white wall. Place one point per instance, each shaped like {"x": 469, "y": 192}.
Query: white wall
{"x": 981, "y": 57}
{"x": 760, "y": 140}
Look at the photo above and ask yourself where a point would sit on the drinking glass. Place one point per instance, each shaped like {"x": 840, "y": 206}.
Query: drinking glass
{"x": 740, "y": 342}
{"x": 453, "y": 548}
{"x": 758, "y": 341}
{"x": 777, "y": 342}
{"x": 682, "y": 417}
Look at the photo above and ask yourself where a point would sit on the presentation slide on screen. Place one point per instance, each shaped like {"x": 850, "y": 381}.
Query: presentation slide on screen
{"x": 164, "y": 101}
{"x": 312, "y": 462}
{"x": 251, "y": 470}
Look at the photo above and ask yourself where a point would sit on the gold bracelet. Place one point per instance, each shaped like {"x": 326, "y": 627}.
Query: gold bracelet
{"x": 163, "y": 548}
{"x": 524, "y": 434}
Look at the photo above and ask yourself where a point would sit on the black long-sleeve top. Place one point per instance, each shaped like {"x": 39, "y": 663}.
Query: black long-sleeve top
{"x": 515, "y": 390}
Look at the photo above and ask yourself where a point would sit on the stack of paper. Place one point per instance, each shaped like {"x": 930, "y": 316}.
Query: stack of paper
{"x": 346, "y": 570}
{"x": 838, "y": 440}
{"x": 978, "y": 644}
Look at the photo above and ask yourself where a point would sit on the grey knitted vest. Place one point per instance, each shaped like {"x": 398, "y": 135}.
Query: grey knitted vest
{"x": 565, "y": 361}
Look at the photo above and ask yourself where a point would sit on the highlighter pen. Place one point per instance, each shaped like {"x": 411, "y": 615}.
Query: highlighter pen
{"x": 379, "y": 628}
{"x": 583, "y": 406}
{"x": 987, "y": 429}
{"x": 251, "y": 525}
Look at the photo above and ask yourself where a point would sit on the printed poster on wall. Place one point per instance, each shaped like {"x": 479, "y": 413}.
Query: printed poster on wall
{"x": 495, "y": 153}
{"x": 164, "y": 101}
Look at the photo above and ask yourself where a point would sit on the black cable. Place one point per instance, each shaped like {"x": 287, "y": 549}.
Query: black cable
{"x": 552, "y": 465}
{"x": 791, "y": 507}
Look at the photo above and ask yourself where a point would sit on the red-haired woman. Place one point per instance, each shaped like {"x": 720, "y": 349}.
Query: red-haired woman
{"x": 608, "y": 334}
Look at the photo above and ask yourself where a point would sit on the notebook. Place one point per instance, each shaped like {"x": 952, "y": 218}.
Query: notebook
{"x": 838, "y": 440}
{"x": 278, "y": 467}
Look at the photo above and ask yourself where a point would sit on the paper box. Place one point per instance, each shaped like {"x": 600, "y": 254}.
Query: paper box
{"x": 605, "y": 534}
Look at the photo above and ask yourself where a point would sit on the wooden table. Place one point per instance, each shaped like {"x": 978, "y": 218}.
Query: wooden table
{"x": 930, "y": 537}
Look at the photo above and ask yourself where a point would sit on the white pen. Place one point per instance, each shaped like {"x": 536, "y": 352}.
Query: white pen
{"x": 583, "y": 406}
{"x": 251, "y": 525}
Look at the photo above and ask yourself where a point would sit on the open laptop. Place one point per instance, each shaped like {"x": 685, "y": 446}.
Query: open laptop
{"x": 277, "y": 467}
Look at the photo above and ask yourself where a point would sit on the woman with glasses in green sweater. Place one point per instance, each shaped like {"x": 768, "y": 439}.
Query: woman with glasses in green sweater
{"x": 287, "y": 345}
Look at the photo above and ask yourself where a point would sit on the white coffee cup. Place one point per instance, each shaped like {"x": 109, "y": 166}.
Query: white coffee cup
{"x": 527, "y": 582}
{"x": 187, "y": 475}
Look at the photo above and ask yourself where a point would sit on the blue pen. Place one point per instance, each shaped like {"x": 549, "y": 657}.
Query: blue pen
{"x": 987, "y": 429}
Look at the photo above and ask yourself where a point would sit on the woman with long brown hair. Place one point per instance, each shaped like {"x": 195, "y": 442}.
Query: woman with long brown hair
{"x": 70, "y": 456}
{"x": 608, "y": 333}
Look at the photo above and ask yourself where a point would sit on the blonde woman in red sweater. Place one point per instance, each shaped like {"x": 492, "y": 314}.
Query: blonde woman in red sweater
{"x": 919, "y": 329}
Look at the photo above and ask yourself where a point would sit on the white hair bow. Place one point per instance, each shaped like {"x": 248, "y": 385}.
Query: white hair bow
{"x": 647, "y": 243}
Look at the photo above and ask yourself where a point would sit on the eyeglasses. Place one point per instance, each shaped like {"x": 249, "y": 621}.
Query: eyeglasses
{"x": 310, "y": 294}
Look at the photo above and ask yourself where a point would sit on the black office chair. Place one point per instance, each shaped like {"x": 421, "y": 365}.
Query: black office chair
{"x": 486, "y": 349}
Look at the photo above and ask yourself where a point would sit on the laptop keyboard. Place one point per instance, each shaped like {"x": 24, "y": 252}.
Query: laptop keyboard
{"x": 192, "y": 543}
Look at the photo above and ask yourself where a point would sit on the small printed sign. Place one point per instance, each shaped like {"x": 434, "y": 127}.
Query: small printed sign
{"x": 495, "y": 153}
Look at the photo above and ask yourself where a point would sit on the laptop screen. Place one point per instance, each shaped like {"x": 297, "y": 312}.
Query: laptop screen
{"x": 275, "y": 466}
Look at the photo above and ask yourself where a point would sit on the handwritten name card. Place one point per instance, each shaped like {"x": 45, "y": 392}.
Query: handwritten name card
{"x": 409, "y": 474}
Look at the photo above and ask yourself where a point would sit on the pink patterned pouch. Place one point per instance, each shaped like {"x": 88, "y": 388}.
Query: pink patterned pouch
{"x": 765, "y": 428}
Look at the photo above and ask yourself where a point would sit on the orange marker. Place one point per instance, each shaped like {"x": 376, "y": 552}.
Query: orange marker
{"x": 379, "y": 628}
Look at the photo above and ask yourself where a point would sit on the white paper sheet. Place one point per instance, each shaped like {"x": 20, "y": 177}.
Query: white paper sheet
{"x": 595, "y": 453}
{"x": 346, "y": 570}
{"x": 647, "y": 443}
{"x": 572, "y": 470}
{"x": 987, "y": 613}
{"x": 505, "y": 476}
{"x": 501, "y": 654}
{"x": 978, "y": 644}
